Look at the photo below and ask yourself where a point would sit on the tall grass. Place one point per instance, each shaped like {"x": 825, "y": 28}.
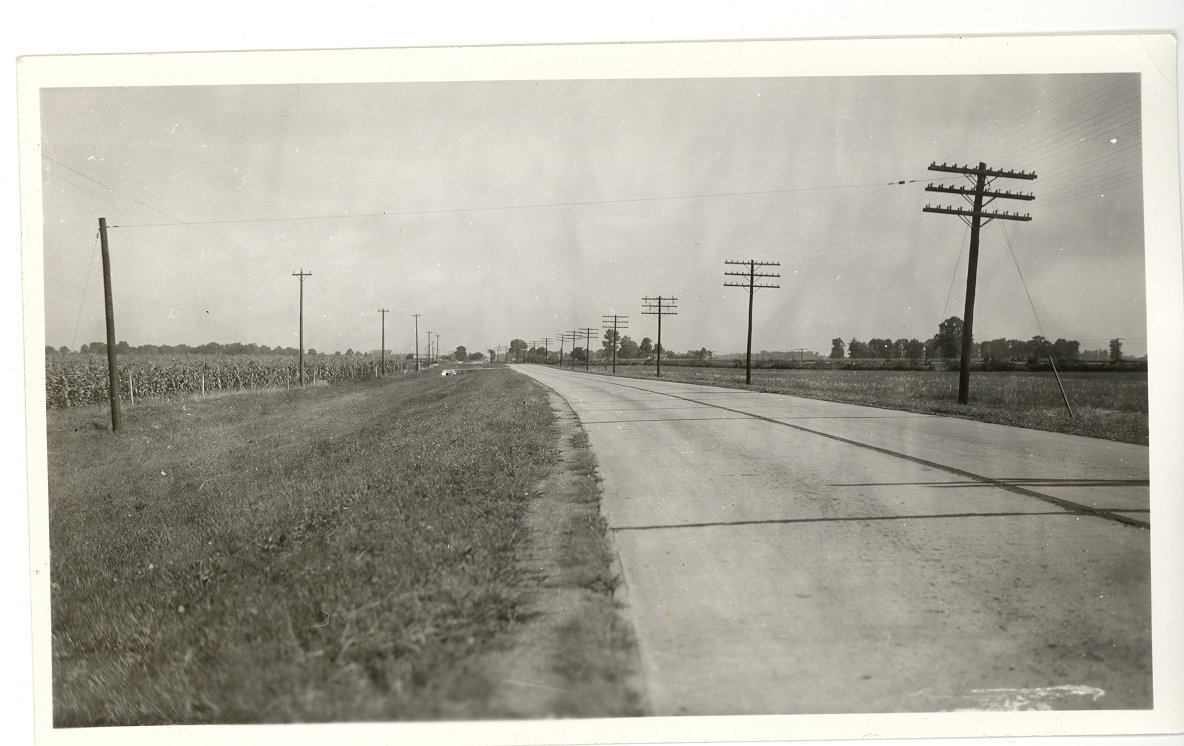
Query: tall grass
{"x": 1112, "y": 406}
{"x": 313, "y": 555}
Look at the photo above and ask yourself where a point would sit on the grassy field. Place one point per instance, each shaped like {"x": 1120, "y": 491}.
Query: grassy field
{"x": 1112, "y": 406}
{"x": 327, "y": 554}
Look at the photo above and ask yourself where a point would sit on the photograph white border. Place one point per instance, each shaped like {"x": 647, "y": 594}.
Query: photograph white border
{"x": 1152, "y": 56}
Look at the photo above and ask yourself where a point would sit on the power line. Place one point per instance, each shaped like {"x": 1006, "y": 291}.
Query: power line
{"x": 405, "y": 213}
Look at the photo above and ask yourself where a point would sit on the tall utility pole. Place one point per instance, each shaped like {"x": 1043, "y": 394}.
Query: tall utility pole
{"x": 587, "y": 346}
{"x": 618, "y": 322}
{"x": 382, "y": 348}
{"x": 574, "y": 336}
{"x": 562, "y": 338}
{"x": 752, "y": 285}
{"x": 112, "y": 367}
{"x": 300, "y": 363}
{"x": 546, "y": 350}
{"x": 429, "y": 351}
{"x": 655, "y": 307}
{"x": 979, "y": 196}
{"x": 416, "y": 315}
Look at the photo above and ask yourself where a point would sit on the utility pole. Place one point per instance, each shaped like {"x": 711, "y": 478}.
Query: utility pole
{"x": 416, "y": 315}
{"x": 587, "y": 346}
{"x": 429, "y": 351}
{"x": 112, "y": 367}
{"x": 655, "y": 307}
{"x": 382, "y": 348}
{"x": 979, "y": 196}
{"x": 752, "y": 285}
{"x": 546, "y": 350}
{"x": 574, "y": 336}
{"x": 618, "y": 322}
{"x": 300, "y": 361}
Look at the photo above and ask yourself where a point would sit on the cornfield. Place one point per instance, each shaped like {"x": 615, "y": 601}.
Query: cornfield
{"x": 76, "y": 379}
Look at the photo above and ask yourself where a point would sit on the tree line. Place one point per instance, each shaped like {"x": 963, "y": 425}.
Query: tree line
{"x": 210, "y": 348}
{"x": 947, "y": 344}
{"x": 626, "y": 349}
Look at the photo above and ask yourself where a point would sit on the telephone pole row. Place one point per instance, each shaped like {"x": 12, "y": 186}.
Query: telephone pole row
{"x": 416, "y": 315}
{"x": 659, "y": 307}
{"x": 752, "y": 286}
{"x": 574, "y": 336}
{"x": 300, "y": 361}
{"x": 978, "y": 196}
{"x": 618, "y": 322}
{"x": 382, "y": 343}
{"x": 587, "y": 346}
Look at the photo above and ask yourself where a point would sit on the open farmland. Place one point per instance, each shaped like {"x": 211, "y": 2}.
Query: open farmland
{"x": 351, "y": 552}
{"x": 1112, "y": 406}
{"x": 77, "y": 379}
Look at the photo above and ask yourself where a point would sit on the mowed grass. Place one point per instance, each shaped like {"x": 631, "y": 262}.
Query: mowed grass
{"x": 1111, "y": 406}
{"x": 323, "y": 554}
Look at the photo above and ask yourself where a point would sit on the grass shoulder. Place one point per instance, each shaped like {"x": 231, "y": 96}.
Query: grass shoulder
{"x": 352, "y": 552}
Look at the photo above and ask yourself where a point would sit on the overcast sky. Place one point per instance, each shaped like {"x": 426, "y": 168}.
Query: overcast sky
{"x": 524, "y": 209}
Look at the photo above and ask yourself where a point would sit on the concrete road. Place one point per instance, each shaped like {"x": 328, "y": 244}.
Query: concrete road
{"x": 786, "y": 555}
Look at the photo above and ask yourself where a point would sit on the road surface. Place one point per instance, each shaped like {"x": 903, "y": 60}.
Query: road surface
{"x": 787, "y": 556}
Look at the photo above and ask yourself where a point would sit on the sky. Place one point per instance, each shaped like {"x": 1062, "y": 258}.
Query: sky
{"x": 524, "y": 209}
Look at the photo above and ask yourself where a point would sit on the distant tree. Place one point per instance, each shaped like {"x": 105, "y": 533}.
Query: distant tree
{"x": 610, "y": 341}
{"x": 311, "y": 351}
{"x": 518, "y": 349}
{"x": 646, "y": 348}
{"x": 492, "y": 356}
{"x": 628, "y": 348}
{"x": 1116, "y": 350}
{"x": 337, "y": 354}
{"x": 461, "y": 354}
{"x": 837, "y": 349}
{"x": 880, "y": 347}
{"x": 948, "y": 341}
{"x": 857, "y": 349}
{"x": 63, "y": 349}
{"x": 579, "y": 354}
{"x": 1040, "y": 348}
{"x": 1066, "y": 351}
{"x": 349, "y": 352}
{"x": 476, "y": 356}
{"x": 49, "y": 350}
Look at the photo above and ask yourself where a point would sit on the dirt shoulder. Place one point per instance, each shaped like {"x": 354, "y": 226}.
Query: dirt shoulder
{"x": 573, "y": 655}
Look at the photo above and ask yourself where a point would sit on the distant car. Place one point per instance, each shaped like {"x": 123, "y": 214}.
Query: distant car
{"x": 448, "y": 372}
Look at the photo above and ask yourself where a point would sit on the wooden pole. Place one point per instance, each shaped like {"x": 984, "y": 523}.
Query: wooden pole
{"x": 112, "y": 367}
{"x": 300, "y": 360}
